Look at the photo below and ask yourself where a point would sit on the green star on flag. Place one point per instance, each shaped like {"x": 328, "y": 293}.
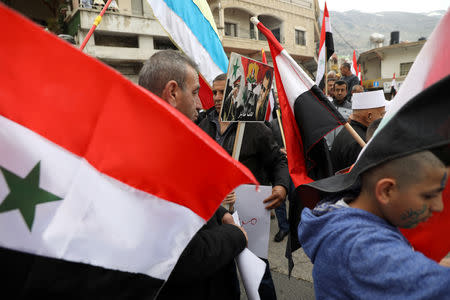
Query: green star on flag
{"x": 235, "y": 67}
{"x": 25, "y": 194}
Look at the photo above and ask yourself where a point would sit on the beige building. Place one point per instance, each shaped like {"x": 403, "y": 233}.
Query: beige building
{"x": 128, "y": 36}
{"x": 124, "y": 39}
{"x": 379, "y": 64}
{"x": 293, "y": 22}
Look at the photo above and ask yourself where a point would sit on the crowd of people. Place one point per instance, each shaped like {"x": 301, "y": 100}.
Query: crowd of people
{"x": 206, "y": 269}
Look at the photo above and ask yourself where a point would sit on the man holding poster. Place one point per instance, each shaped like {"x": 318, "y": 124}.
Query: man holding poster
{"x": 259, "y": 152}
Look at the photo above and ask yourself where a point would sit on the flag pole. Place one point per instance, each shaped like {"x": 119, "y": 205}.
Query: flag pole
{"x": 237, "y": 148}
{"x": 354, "y": 134}
{"x": 281, "y": 127}
{"x": 97, "y": 21}
{"x": 326, "y": 70}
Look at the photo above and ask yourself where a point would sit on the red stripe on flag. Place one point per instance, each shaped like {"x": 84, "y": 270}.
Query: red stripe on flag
{"x": 124, "y": 131}
{"x": 323, "y": 32}
{"x": 294, "y": 144}
{"x": 440, "y": 66}
{"x": 205, "y": 94}
{"x": 355, "y": 65}
{"x": 432, "y": 237}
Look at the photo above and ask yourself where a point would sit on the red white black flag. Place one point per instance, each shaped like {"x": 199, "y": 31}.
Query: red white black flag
{"x": 326, "y": 41}
{"x": 306, "y": 113}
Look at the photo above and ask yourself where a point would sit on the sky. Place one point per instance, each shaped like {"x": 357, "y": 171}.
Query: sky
{"x": 415, "y": 6}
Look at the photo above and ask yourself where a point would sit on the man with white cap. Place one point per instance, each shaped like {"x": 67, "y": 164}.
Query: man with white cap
{"x": 367, "y": 107}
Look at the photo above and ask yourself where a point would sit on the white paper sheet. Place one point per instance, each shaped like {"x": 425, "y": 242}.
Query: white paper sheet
{"x": 251, "y": 269}
{"x": 254, "y": 217}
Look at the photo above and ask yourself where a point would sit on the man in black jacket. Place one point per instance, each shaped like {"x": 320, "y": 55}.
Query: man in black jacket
{"x": 367, "y": 107}
{"x": 205, "y": 269}
{"x": 259, "y": 152}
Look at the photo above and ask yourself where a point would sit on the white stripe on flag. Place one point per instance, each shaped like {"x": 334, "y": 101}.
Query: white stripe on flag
{"x": 321, "y": 65}
{"x": 327, "y": 25}
{"x": 187, "y": 41}
{"x": 101, "y": 221}
{"x": 291, "y": 74}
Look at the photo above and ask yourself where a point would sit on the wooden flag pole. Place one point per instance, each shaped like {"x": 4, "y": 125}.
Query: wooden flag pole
{"x": 326, "y": 71}
{"x": 237, "y": 148}
{"x": 281, "y": 128}
{"x": 238, "y": 140}
{"x": 354, "y": 134}
{"x": 97, "y": 21}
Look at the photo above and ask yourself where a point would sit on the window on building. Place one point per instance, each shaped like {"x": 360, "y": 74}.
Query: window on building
{"x": 300, "y": 37}
{"x": 230, "y": 29}
{"x": 252, "y": 31}
{"x": 137, "y": 7}
{"x": 276, "y": 32}
{"x": 304, "y": 3}
{"x": 115, "y": 40}
{"x": 163, "y": 43}
{"x": 404, "y": 68}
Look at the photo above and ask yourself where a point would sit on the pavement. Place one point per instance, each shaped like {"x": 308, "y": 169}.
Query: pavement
{"x": 300, "y": 285}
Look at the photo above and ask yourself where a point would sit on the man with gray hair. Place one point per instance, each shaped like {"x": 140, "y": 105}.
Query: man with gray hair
{"x": 173, "y": 77}
{"x": 206, "y": 268}
{"x": 357, "y": 89}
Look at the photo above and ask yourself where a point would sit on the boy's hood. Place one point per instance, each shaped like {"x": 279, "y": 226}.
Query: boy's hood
{"x": 312, "y": 227}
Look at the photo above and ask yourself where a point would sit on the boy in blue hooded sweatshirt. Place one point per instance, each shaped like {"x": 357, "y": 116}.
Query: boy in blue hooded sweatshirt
{"x": 354, "y": 242}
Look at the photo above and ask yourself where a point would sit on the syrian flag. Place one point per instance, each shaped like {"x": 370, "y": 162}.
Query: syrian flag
{"x": 307, "y": 116}
{"x": 394, "y": 88}
{"x": 271, "y": 105}
{"x": 326, "y": 42}
{"x": 417, "y": 120}
{"x": 96, "y": 198}
{"x": 354, "y": 67}
{"x": 191, "y": 26}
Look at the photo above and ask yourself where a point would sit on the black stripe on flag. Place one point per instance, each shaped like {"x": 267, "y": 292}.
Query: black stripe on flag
{"x": 315, "y": 116}
{"x": 30, "y": 276}
{"x": 329, "y": 44}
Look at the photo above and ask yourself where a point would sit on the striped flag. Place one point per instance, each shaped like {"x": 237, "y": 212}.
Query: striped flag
{"x": 431, "y": 65}
{"x": 394, "y": 88}
{"x": 307, "y": 114}
{"x": 96, "y": 198}
{"x": 359, "y": 74}
{"x": 354, "y": 67}
{"x": 326, "y": 41}
{"x": 190, "y": 24}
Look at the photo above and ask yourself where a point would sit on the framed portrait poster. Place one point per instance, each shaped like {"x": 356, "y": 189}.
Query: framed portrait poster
{"x": 247, "y": 90}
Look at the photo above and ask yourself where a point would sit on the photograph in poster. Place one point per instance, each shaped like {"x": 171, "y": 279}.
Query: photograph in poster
{"x": 247, "y": 90}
